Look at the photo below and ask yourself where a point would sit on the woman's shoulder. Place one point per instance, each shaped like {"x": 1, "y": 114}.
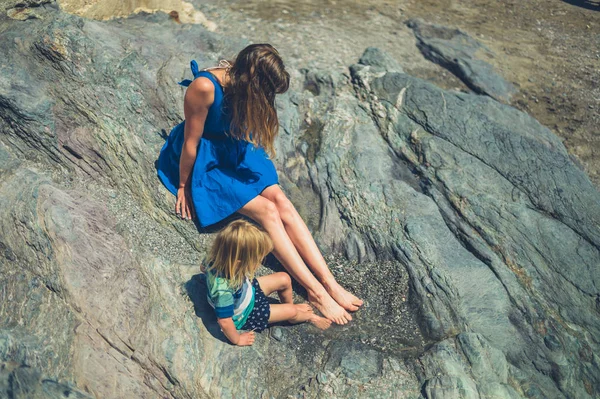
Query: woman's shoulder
{"x": 200, "y": 93}
{"x": 202, "y": 84}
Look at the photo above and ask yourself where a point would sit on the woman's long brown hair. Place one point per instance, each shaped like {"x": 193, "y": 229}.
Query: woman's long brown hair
{"x": 256, "y": 76}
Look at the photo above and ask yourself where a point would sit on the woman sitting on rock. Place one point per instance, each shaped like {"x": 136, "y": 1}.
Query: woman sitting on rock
{"x": 216, "y": 163}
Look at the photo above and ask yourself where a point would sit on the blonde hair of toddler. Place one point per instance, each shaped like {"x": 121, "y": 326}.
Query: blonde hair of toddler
{"x": 238, "y": 250}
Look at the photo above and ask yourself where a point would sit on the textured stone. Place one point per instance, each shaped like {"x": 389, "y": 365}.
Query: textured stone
{"x": 462, "y": 55}
{"x": 461, "y": 221}
{"x": 376, "y": 57}
{"x": 355, "y": 361}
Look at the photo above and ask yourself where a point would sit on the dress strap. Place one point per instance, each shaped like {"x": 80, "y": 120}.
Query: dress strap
{"x": 195, "y": 72}
{"x": 222, "y": 64}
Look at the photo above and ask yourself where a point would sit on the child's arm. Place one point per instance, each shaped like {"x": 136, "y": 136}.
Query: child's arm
{"x": 232, "y": 333}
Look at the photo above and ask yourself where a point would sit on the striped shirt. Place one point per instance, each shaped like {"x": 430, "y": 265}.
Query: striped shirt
{"x": 227, "y": 302}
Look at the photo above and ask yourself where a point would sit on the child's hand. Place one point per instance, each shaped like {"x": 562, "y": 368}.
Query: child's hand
{"x": 246, "y": 339}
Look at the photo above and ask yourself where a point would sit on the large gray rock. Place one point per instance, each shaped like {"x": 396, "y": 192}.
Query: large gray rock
{"x": 462, "y": 55}
{"x": 461, "y": 221}
{"x": 527, "y": 216}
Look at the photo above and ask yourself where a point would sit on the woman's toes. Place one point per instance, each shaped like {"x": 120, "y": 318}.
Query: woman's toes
{"x": 344, "y": 298}
{"x": 328, "y": 307}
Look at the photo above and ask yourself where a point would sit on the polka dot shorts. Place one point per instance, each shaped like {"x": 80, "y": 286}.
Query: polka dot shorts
{"x": 259, "y": 317}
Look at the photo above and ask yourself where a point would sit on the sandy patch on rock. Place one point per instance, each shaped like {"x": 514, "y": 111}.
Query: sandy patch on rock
{"x": 181, "y": 11}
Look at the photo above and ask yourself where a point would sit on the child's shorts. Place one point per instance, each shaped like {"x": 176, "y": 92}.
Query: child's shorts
{"x": 259, "y": 317}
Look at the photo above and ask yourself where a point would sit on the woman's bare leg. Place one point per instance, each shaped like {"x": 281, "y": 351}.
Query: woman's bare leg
{"x": 265, "y": 213}
{"x": 307, "y": 248}
{"x": 288, "y": 311}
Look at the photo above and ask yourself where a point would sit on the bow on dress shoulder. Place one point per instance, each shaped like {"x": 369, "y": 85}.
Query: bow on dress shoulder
{"x": 195, "y": 70}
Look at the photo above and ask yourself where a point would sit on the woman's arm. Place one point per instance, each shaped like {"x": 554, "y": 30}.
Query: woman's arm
{"x": 198, "y": 98}
{"x": 233, "y": 335}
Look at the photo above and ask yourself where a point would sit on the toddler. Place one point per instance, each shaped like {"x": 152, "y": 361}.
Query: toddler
{"x": 238, "y": 298}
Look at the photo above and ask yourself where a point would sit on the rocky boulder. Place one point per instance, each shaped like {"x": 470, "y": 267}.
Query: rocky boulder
{"x": 461, "y": 221}
{"x": 465, "y": 57}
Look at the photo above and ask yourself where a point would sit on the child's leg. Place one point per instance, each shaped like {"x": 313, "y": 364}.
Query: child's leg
{"x": 279, "y": 282}
{"x": 298, "y": 313}
{"x": 289, "y": 312}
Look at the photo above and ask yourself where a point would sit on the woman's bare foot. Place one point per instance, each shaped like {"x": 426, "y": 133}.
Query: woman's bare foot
{"x": 329, "y": 308}
{"x": 342, "y": 297}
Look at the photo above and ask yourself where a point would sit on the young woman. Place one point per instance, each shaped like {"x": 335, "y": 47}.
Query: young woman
{"x": 216, "y": 163}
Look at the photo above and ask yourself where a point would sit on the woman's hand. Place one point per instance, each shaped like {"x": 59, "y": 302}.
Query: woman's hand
{"x": 246, "y": 339}
{"x": 184, "y": 206}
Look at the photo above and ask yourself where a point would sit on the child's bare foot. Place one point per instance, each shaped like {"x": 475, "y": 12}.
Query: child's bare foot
{"x": 320, "y": 322}
{"x": 329, "y": 308}
{"x": 342, "y": 297}
{"x": 305, "y": 313}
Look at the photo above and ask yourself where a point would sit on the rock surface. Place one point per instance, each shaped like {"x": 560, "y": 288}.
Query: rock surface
{"x": 462, "y": 55}
{"x": 461, "y": 221}
{"x": 549, "y": 52}
{"x": 180, "y": 11}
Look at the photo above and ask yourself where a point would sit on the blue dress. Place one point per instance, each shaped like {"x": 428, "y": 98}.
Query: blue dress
{"x": 227, "y": 173}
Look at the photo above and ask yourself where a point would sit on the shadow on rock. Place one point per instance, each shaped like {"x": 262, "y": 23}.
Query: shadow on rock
{"x": 587, "y": 4}
{"x": 214, "y": 228}
{"x": 274, "y": 266}
{"x": 196, "y": 289}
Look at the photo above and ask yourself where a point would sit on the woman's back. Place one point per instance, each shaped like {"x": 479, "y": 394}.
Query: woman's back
{"x": 217, "y": 121}
{"x": 227, "y": 172}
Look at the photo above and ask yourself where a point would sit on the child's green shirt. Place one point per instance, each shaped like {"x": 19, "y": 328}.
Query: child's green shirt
{"x": 228, "y": 302}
